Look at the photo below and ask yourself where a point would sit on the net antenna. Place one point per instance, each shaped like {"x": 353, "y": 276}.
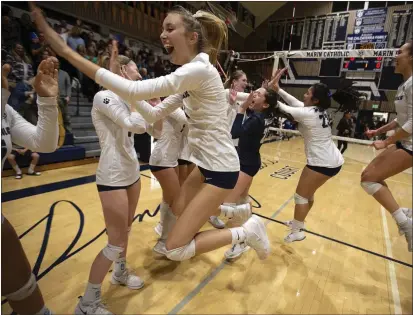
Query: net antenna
{"x": 289, "y": 46}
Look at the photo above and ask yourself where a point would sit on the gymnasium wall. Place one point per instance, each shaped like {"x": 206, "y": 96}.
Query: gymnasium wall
{"x": 142, "y": 22}
{"x": 257, "y": 41}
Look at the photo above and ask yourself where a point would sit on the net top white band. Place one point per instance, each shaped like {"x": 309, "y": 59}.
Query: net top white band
{"x": 351, "y": 140}
{"x": 353, "y": 53}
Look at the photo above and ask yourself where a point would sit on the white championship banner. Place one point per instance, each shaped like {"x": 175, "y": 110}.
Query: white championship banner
{"x": 353, "y": 53}
{"x": 350, "y": 140}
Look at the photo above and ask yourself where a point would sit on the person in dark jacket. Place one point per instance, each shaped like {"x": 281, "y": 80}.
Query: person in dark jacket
{"x": 344, "y": 128}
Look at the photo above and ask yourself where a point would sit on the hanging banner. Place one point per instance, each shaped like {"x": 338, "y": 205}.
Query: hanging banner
{"x": 370, "y": 21}
{"x": 401, "y": 27}
{"x": 313, "y": 33}
{"x": 336, "y": 27}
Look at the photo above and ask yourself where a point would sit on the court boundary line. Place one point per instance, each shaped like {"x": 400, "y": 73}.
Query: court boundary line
{"x": 341, "y": 242}
{"x": 391, "y": 267}
{"x": 50, "y": 187}
{"x": 178, "y": 307}
{"x": 68, "y": 252}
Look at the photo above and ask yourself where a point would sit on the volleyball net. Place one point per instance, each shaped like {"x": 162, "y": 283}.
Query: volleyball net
{"x": 371, "y": 70}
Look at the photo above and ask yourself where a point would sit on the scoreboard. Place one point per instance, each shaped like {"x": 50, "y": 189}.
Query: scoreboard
{"x": 365, "y": 41}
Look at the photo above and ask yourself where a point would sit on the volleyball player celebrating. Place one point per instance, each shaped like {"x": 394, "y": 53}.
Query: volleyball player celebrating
{"x": 324, "y": 160}
{"x": 189, "y": 39}
{"x": 234, "y": 90}
{"x": 163, "y": 164}
{"x": 250, "y": 131}
{"x": 18, "y": 282}
{"x": 397, "y": 155}
{"x": 185, "y": 166}
{"x": 118, "y": 184}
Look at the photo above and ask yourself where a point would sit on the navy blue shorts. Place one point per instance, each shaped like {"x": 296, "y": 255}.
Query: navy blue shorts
{"x": 325, "y": 170}
{"x": 109, "y": 188}
{"x": 250, "y": 170}
{"x": 399, "y": 145}
{"x": 27, "y": 154}
{"x": 184, "y": 162}
{"x": 155, "y": 168}
{"x": 226, "y": 180}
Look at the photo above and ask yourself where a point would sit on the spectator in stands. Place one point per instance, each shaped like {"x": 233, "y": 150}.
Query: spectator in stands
{"x": 151, "y": 66}
{"x": 344, "y": 129}
{"x": 167, "y": 66}
{"x": 109, "y": 47}
{"x": 38, "y": 46}
{"x": 63, "y": 33}
{"x": 91, "y": 52}
{"x": 363, "y": 127}
{"x": 10, "y": 28}
{"x": 143, "y": 61}
{"x": 65, "y": 29}
{"x": 91, "y": 36}
{"x": 101, "y": 47}
{"x": 26, "y": 27}
{"x": 24, "y": 153}
{"x": 65, "y": 92}
{"x": 81, "y": 50}
{"x": 89, "y": 87}
{"x": 21, "y": 65}
{"x": 22, "y": 96}
{"x": 287, "y": 124}
{"x": 144, "y": 73}
{"x": 129, "y": 53}
{"x": 74, "y": 39}
{"x": 139, "y": 60}
{"x": 45, "y": 55}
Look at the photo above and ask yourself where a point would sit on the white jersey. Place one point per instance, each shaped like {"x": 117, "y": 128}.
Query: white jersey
{"x": 115, "y": 125}
{"x": 233, "y": 109}
{"x": 14, "y": 128}
{"x": 198, "y": 85}
{"x": 403, "y": 104}
{"x": 167, "y": 148}
{"x": 315, "y": 127}
{"x": 185, "y": 153}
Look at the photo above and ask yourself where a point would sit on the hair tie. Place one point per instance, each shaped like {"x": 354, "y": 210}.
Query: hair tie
{"x": 329, "y": 94}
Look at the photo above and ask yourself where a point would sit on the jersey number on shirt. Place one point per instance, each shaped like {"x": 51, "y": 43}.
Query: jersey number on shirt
{"x": 325, "y": 119}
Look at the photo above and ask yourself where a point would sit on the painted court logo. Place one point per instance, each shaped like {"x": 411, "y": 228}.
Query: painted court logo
{"x": 285, "y": 173}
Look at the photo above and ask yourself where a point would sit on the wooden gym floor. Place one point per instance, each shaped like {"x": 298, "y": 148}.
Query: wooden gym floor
{"x": 318, "y": 275}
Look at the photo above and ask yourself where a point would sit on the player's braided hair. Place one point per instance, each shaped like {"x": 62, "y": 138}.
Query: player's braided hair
{"x": 348, "y": 97}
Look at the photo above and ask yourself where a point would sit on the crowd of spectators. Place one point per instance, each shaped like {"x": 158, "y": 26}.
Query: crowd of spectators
{"x": 23, "y": 47}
